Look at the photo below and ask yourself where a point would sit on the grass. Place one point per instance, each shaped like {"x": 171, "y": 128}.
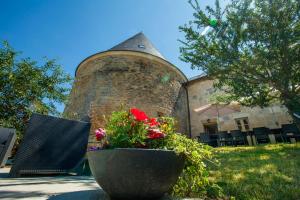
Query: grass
{"x": 260, "y": 172}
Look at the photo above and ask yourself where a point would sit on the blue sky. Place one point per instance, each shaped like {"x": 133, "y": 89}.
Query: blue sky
{"x": 71, "y": 30}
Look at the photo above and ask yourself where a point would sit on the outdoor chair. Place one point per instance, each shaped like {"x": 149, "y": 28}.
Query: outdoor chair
{"x": 207, "y": 139}
{"x": 261, "y": 134}
{"x": 290, "y": 131}
{"x": 214, "y": 140}
{"x": 203, "y": 138}
{"x": 224, "y": 138}
{"x": 7, "y": 141}
{"x": 277, "y": 132}
{"x": 238, "y": 138}
{"x": 51, "y": 146}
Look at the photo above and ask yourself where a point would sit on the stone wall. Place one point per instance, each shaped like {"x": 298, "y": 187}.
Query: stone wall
{"x": 201, "y": 92}
{"x": 180, "y": 112}
{"x": 105, "y": 81}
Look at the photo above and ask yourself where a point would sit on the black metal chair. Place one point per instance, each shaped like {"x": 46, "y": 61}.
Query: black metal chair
{"x": 290, "y": 131}
{"x": 203, "y": 138}
{"x": 213, "y": 140}
{"x": 7, "y": 141}
{"x": 224, "y": 138}
{"x": 277, "y": 132}
{"x": 261, "y": 134}
{"x": 238, "y": 138}
{"x": 208, "y": 139}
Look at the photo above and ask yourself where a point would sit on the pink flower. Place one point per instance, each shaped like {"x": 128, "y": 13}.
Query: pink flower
{"x": 100, "y": 134}
{"x": 138, "y": 114}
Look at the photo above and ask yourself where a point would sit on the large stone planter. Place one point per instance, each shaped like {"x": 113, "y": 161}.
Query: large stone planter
{"x": 135, "y": 173}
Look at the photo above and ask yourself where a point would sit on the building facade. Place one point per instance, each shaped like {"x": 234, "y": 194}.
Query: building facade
{"x": 135, "y": 74}
{"x": 227, "y": 117}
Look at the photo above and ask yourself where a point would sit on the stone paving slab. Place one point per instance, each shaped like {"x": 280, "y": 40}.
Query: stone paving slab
{"x": 59, "y": 187}
{"x": 51, "y": 188}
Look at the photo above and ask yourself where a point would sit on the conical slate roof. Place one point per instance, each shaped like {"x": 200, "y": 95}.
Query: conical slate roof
{"x": 138, "y": 42}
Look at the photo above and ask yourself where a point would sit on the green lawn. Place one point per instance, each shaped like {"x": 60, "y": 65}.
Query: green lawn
{"x": 261, "y": 172}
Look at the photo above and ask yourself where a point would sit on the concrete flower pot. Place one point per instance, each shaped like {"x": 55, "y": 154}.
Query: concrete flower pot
{"x": 131, "y": 173}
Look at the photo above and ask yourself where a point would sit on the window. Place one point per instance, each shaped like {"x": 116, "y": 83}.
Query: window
{"x": 141, "y": 46}
{"x": 242, "y": 124}
{"x": 246, "y": 124}
{"x": 239, "y": 124}
{"x": 211, "y": 128}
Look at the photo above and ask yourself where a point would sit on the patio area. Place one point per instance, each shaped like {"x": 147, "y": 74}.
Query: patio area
{"x": 51, "y": 188}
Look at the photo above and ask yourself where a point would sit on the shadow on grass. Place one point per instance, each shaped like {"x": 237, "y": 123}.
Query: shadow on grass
{"x": 261, "y": 172}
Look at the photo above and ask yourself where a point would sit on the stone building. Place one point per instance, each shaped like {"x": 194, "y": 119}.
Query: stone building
{"x": 205, "y": 118}
{"x": 135, "y": 74}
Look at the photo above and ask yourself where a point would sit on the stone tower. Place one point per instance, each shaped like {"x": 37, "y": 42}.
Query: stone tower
{"x": 132, "y": 73}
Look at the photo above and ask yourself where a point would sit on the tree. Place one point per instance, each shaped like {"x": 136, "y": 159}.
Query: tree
{"x": 252, "y": 50}
{"x": 26, "y": 87}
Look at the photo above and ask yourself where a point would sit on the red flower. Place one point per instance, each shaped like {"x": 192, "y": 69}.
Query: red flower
{"x": 155, "y": 134}
{"x": 138, "y": 114}
{"x": 153, "y": 122}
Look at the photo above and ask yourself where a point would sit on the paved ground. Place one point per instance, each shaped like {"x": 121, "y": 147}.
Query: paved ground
{"x": 51, "y": 188}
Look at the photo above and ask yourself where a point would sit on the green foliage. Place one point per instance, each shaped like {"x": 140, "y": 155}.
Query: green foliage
{"x": 124, "y": 131}
{"x": 194, "y": 180}
{"x": 259, "y": 172}
{"x": 26, "y": 87}
{"x": 253, "y": 52}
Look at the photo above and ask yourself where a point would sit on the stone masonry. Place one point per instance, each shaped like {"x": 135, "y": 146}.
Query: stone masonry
{"x": 108, "y": 80}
